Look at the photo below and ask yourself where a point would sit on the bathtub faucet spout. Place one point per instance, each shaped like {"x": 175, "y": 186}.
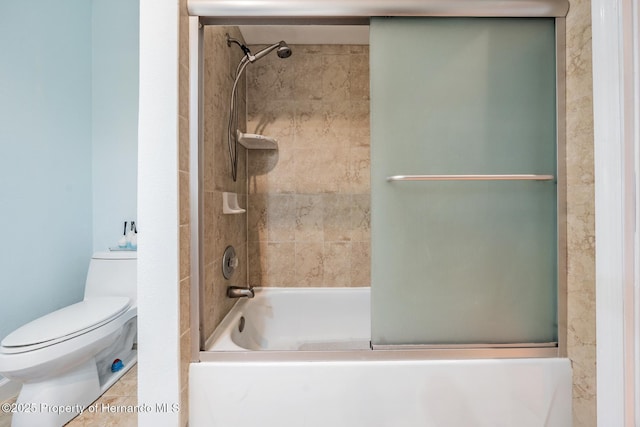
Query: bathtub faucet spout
{"x": 239, "y": 292}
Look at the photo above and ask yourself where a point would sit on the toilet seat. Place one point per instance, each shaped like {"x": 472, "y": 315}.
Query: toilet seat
{"x": 64, "y": 324}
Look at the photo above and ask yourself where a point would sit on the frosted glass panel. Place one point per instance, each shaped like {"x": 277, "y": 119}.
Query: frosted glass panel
{"x": 463, "y": 262}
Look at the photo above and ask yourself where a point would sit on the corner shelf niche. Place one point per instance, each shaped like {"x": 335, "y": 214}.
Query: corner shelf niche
{"x": 254, "y": 141}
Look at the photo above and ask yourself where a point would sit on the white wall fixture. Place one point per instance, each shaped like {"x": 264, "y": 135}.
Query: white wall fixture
{"x": 254, "y": 141}
{"x": 230, "y": 203}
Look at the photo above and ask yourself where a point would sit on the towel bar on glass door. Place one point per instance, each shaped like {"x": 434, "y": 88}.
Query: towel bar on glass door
{"x": 470, "y": 178}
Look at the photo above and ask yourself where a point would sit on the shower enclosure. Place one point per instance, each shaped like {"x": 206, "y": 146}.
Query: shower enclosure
{"x": 468, "y": 270}
{"x": 463, "y": 170}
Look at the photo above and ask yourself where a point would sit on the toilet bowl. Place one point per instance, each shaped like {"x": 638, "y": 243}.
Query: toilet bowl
{"x": 67, "y": 359}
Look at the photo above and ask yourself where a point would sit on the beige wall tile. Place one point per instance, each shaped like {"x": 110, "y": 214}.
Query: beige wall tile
{"x": 221, "y": 230}
{"x": 185, "y": 304}
{"x": 335, "y": 49}
{"x": 309, "y": 264}
{"x": 337, "y": 264}
{"x": 207, "y": 300}
{"x": 580, "y": 215}
{"x": 209, "y": 231}
{"x": 360, "y": 264}
{"x": 257, "y": 217}
{"x": 309, "y": 225}
{"x": 308, "y": 185}
{"x": 359, "y": 137}
{"x": 184, "y": 197}
{"x": 359, "y": 172}
{"x": 272, "y": 263}
{"x": 361, "y": 218}
{"x": 183, "y": 141}
{"x": 319, "y": 170}
{"x": 221, "y": 303}
{"x": 282, "y": 217}
{"x": 337, "y": 212}
{"x": 308, "y": 76}
{"x": 183, "y": 88}
{"x": 273, "y": 171}
{"x": 358, "y": 69}
{"x": 185, "y": 251}
{"x": 335, "y": 77}
{"x": 281, "y": 264}
{"x": 185, "y": 357}
{"x": 270, "y": 117}
{"x": 258, "y": 263}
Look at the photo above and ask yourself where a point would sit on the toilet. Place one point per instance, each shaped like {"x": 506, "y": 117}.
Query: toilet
{"x": 66, "y": 359}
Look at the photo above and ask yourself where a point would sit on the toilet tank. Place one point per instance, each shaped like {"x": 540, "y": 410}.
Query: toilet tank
{"x": 112, "y": 274}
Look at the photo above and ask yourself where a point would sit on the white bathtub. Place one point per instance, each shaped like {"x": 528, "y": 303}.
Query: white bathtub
{"x": 303, "y": 359}
{"x": 297, "y": 319}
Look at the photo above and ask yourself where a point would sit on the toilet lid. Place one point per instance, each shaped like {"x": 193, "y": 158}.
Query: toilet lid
{"x": 68, "y": 321}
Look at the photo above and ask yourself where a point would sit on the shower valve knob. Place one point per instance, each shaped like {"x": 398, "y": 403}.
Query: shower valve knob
{"x": 229, "y": 262}
{"x": 233, "y": 262}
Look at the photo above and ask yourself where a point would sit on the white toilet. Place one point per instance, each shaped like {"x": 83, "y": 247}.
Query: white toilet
{"x": 65, "y": 360}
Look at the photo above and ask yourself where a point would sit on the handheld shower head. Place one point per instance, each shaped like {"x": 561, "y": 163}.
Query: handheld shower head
{"x": 283, "y": 51}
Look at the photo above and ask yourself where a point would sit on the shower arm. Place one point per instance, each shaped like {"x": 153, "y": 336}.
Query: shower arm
{"x": 247, "y": 51}
{"x": 244, "y": 48}
{"x": 262, "y": 53}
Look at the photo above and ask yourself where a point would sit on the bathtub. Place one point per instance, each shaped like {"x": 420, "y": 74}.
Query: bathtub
{"x": 297, "y": 319}
{"x": 301, "y": 357}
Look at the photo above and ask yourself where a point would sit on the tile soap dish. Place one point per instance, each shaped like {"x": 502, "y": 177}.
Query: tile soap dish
{"x": 230, "y": 204}
{"x": 254, "y": 141}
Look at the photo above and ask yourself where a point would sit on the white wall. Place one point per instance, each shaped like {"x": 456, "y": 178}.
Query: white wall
{"x": 616, "y": 95}
{"x": 158, "y": 253}
{"x": 114, "y": 118}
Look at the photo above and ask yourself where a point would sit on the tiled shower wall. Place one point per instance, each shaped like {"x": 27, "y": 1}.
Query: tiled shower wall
{"x": 309, "y": 201}
{"x": 581, "y": 301}
{"x": 221, "y": 230}
{"x": 185, "y": 225}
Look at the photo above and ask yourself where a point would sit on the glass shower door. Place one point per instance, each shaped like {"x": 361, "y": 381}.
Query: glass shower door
{"x": 463, "y": 166}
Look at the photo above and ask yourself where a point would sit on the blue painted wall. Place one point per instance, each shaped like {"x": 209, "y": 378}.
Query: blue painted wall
{"x": 68, "y": 144}
{"x": 45, "y": 156}
{"x": 115, "y": 117}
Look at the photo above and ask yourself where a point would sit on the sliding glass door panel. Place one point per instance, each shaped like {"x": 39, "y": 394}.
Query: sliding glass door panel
{"x": 469, "y": 261}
